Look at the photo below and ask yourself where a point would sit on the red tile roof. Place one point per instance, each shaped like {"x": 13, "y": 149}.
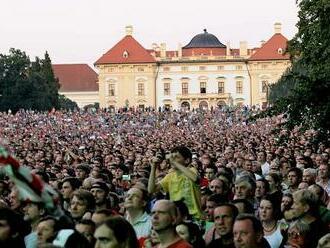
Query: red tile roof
{"x": 269, "y": 51}
{"x": 136, "y": 53}
{"x": 76, "y": 77}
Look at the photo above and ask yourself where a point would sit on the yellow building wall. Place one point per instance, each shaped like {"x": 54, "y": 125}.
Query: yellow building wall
{"x": 82, "y": 98}
{"x": 126, "y": 78}
{"x": 270, "y": 71}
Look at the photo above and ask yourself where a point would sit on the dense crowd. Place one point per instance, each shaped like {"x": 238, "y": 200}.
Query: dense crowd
{"x": 132, "y": 179}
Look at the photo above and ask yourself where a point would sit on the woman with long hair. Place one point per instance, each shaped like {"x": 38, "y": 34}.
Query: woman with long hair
{"x": 269, "y": 214}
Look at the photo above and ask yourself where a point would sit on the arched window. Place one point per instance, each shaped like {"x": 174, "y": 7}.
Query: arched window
{"x": 125, "y": 54}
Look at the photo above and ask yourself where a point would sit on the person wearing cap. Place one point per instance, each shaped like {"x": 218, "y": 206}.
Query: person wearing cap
{"x": 100, "y": 191}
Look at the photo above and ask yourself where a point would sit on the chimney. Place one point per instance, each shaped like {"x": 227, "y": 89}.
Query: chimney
{"x": 243, "y": 48}
{"x": 129, "y": 30}
{"x": 228, "y": 49}
{"x": 179, "y": 50}
{"x": 163, "y": 50}
{"x": 154, "y": 46}
{"x": 278, "y": 28}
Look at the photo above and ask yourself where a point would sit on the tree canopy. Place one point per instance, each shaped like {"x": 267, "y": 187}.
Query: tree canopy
{"x": 26, "y": 84}
{"x": 303, "y": 92}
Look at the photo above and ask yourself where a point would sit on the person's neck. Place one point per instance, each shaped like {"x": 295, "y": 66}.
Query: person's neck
{"x": 308, "y": 218}
{"x": 293, "y": 187}
{"x": 227, "y": 239}
{"x": 133, "y": 214}
{"x": 167, "y": 237}
{"x": 34, "y": 225}
{"x": 324, "y": 180}
{"x": 101, "y": 206}
{"x": 267, "y": 224}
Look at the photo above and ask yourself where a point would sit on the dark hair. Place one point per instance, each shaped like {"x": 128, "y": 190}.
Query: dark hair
{"x": 277, "y": 179}
{"x": 256, "y": 224}
{"x": 57, "y": 227}
{"x": 86, "y": 222}
{"x": 85, "y": 196}
{"x": 183, "y": 151}
{"x": 13, "y": 219}
{"x": 266, "y": 183}
{"x": 232, "y": 207}
{"x": 122, "y": 230}
{"x": 248, "y": 207}
{"x": 211, "y": 166}
{"x": 182, "y": 208}
{"x": 276, "y": 209}
{"x": 74, "y": 182}
{"x": 298, "y": 173}
{"x": 44, "y": 175}
{"x": 195, "y": 234}
{"x": 217, "y": 198}
{"x": 84, "y": 167}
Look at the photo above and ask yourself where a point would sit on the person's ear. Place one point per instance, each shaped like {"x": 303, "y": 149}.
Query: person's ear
{"x": 306, "y": 208}
{"x": 259, "y": 237}
{"x": 42, "y": 211}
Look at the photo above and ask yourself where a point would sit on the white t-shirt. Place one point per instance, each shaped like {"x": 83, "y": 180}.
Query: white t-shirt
{"x": 276, "y": 238}
{"x": 265, "y": 168}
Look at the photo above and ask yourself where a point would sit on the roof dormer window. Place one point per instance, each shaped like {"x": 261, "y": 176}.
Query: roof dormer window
{"x": 125, "y": 54}
{"x": 280, "y": 51}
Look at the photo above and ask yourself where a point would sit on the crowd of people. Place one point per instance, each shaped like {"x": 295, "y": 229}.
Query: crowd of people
{"x": 134, "y": 179}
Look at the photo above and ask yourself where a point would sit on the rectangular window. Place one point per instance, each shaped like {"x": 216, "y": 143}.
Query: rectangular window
{"x": 167, "y": 89}
{"x": 184, "y": 88}
{"x": 203, "y": 87}
{"x": 166, "y": 69}
{"x": 202, "y": 68}
{"x": 111, "y": 89}
{"x": 184, "y": 68}
{"x": 220, "y": 68}
{"x": 141, "y": 89}
{"x": 221, "y": 87}
{"x": 264, "y": 86}
{"x": 140, "y": 69}
{"x": 239, "y": 87}
{"x": 239, "y": 67}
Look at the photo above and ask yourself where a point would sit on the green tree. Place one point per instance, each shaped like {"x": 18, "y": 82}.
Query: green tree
{"x": 304, "y": 90}
{"x": 67, "y": 104}
{"x": 26, "y": 84}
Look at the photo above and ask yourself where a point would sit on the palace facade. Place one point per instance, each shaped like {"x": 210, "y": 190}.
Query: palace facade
{"x": 201, "y": 74}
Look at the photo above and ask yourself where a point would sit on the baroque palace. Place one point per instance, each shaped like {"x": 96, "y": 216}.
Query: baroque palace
{"x": 201, "y": 74}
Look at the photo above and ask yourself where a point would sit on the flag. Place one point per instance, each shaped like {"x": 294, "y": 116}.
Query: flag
{"x": 30, "y": 186}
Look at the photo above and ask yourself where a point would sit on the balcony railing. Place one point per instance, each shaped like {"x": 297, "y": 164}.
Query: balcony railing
{"x": 203, "y": 95}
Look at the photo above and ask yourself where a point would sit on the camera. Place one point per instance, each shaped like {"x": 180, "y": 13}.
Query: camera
{"x": 126, "y": 177}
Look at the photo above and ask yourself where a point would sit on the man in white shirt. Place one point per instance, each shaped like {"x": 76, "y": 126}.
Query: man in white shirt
{"x": 135, "y": 204}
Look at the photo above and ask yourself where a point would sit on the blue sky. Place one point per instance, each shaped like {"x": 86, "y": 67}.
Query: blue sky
{"x": 80, "y": 31}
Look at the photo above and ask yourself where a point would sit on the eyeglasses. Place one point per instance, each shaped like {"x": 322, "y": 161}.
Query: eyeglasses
{"x": 294, "y": 235}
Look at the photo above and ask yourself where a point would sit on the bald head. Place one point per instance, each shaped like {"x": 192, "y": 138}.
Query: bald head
{"x": 166, "y": 206}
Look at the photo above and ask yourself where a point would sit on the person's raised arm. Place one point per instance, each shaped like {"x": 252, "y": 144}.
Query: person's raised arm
{"x": 185, "y": 171}
{"x": 152, "y": 186}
